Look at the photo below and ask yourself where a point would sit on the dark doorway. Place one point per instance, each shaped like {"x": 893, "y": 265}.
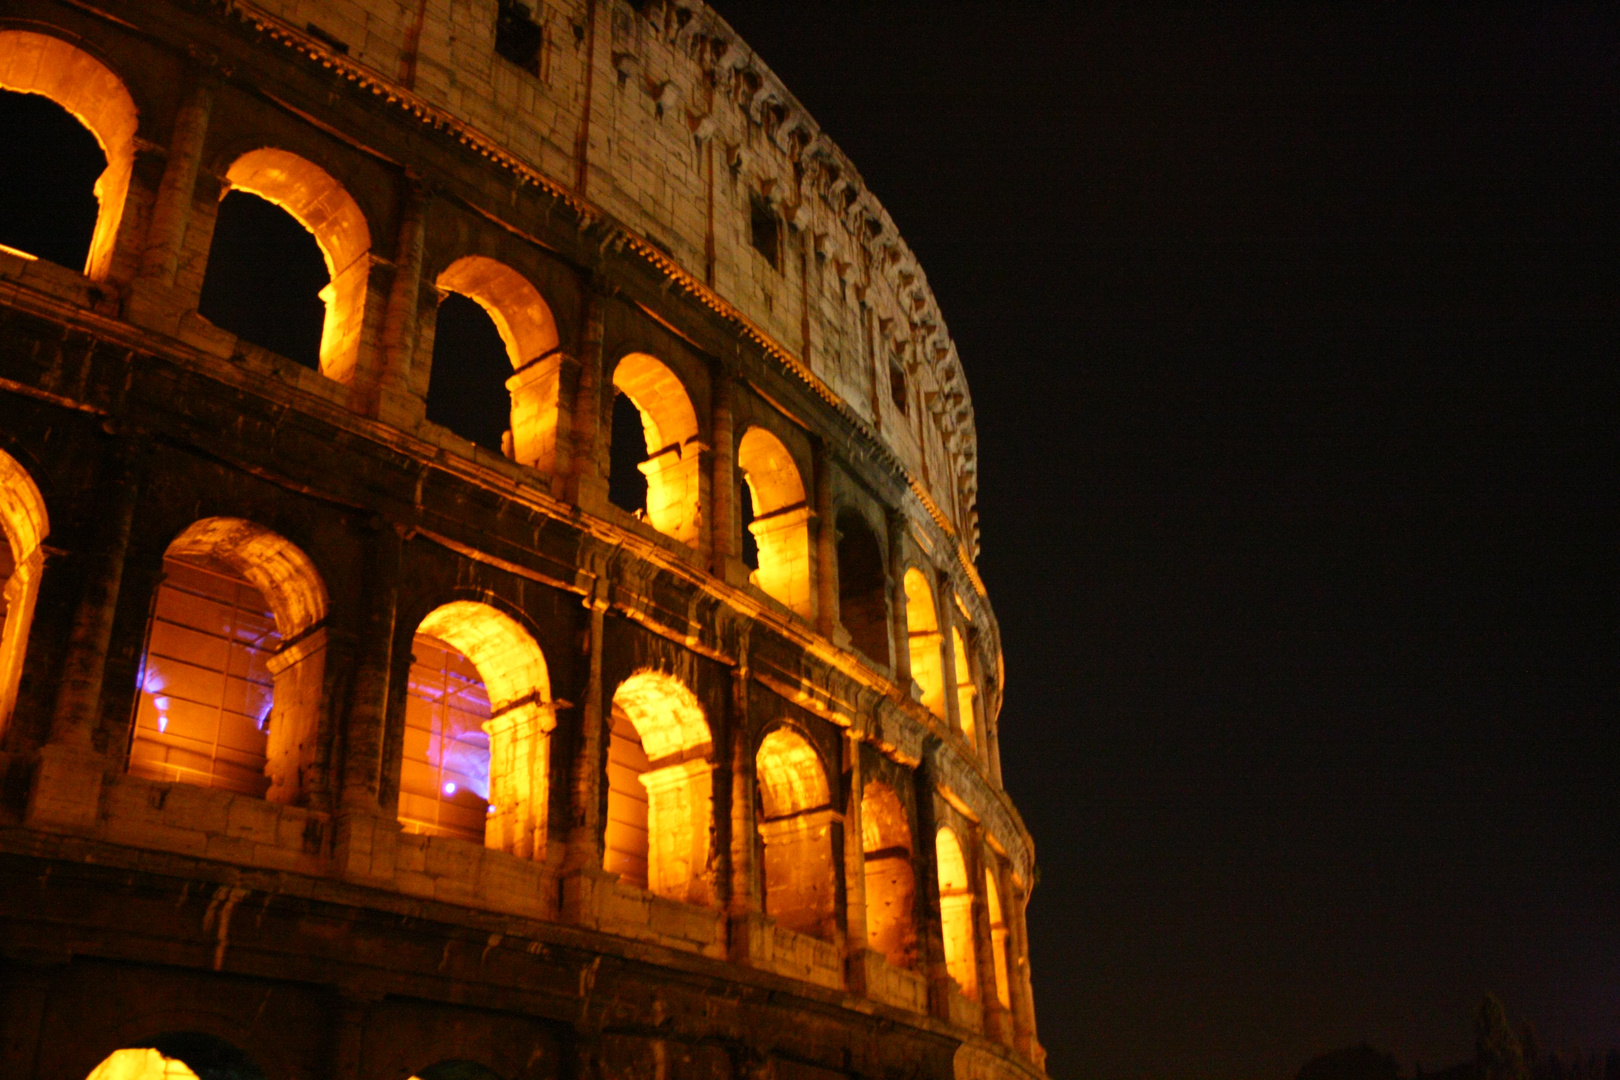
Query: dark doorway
{"x": 264, "y": 278}
{"x": 862, "y": 584}
{"x": 467, "y": 390}
{"x": 627, "y": 485}
{"x": 49, "y": 163}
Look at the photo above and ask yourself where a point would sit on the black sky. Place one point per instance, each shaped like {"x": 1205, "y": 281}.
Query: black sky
{"x": 1292, "y": 333}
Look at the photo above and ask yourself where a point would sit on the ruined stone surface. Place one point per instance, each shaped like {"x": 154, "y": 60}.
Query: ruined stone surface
{"x": 599, "y": 199}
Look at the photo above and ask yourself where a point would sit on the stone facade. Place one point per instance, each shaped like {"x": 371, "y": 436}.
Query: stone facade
{"x": 712, "y": 797}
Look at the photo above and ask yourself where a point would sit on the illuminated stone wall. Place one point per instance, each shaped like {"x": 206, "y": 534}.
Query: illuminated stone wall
{"x": 355, "y": 747}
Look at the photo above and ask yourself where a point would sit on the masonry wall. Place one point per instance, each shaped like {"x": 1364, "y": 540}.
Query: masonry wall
{"x": 315, "y": 933}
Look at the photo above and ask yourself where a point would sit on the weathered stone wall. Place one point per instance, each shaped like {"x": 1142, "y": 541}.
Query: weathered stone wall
{"x": 315, "y": 932}
{"x": 659, "y": 114}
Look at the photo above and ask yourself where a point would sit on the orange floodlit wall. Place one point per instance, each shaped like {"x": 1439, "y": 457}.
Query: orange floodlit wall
{"x": 235, "y": 661}
{"x": 321, "y": 205}
{"x": 529, "y": 331}
{"x": 36, "y": 64}
{"x": 922, "y": 630}
{"x": 795, "y": 825}
{"x": 671, "y": 431}
{"x": 25, "y": 525}
{"x": 891, "y": 883}
{"x": 781, "y": 524}
{"x": 965, "y": 691}
{"x": 998, "y": 938}
{"x": 477, "y": 731}
{"x": 444, "y": 774}
{"x": 956, "y": 912}
{"x": 658, "y": 838}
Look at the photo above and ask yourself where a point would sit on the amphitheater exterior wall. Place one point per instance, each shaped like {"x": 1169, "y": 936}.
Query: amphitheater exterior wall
{"x": 313, "y": 931}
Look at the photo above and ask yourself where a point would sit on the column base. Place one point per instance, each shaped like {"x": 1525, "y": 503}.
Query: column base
{"x": 364, "y": 846}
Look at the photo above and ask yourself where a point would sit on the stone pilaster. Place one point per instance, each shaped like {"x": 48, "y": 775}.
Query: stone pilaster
{"x": 826, "y": 545}
{"x": 364, "y": 834}
{"x": 67, "y": 786}
{"x": 901, "y": 645}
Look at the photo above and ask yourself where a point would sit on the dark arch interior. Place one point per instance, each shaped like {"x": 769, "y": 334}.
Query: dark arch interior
{"x": 457, "y": 1070}
{"x": 264, "y": 278}
{"x": 49, "y": 163}
{"x": 627, "y": 485}
{"x": 209, "y": 1056}
{"x": 467, "y": 389}
{"x": 745, "y": 514}
{"x": 861, "y": 586}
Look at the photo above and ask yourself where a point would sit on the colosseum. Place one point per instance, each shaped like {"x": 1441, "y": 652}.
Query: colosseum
{"x": 652, "y": 735}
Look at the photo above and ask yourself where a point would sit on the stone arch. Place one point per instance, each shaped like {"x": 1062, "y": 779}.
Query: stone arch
{"x": 33, "y": 63}
{"x": 670, "y": 428}
{"x": 660, "y": 789}
{"x": 922, "y": 633}
{"x": 529, "y": 332}
{"x": 25, "y": 525}
{"x": 891, "y": 881}
{"x": 322, "y": 206}
{"x": 235, "y": 663}
{"x": 863, "y": 603}
{"x": 956, "y": 911}
{"x": 796, "y": 827}
{"x": 998, "y": 938}
{"x": 478, "y": 728}
{"x": 180, "y": 1055}
{"x": 781, "y": 524}
{"x": 966, "y": 690}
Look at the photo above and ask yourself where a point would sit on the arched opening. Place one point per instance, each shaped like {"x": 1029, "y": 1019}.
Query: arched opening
{"x": 467, "y": 385}
{"x": 181, "y": 1055}
{"x": 922, "y": 631}
{"x": 891, "y": 883}
{"x": 321, "y": 205}
{"x": 235, "y": 661}
{"x": 264, "y": 279}
{"x": 998, "y": 938}
{"x": 495, "y": 362}
{"x": 660, "y": 789}
{"x": 507, "y": 387}
{"x": 966, "y": 690}
{"x": 796, "y": 827}
{"x": 33, "y": 63}
{"x": 779, "y": 520}
{"x": 25, "y": 525}
{"x": 669, "y": 433}
{"x": 478, "y": 721}
{"x": 956, "y": 912}
{"x": 863, "y": 608}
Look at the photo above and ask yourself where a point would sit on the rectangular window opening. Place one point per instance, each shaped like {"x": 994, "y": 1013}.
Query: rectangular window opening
{"x": 519, "y": 37}
{"x": 897, "y": 387}
{"x": 765, "y": 230}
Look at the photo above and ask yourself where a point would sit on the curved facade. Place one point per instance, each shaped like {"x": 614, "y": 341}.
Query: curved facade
{"x": 655, "y": 737}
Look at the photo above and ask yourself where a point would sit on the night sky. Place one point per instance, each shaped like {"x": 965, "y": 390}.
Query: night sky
{"x": 1292, "y": 338}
